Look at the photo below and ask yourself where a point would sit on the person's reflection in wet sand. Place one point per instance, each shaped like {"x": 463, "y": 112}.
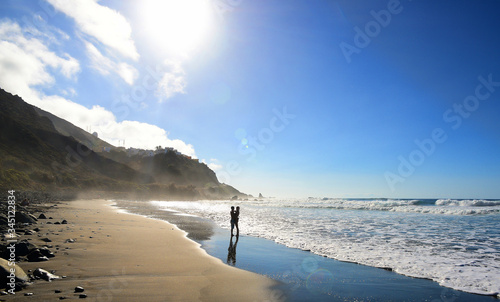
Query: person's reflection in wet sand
{"x": 231, "y": 251}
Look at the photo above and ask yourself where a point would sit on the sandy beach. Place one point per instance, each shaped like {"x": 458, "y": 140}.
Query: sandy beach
{"x": 118, "y": 256}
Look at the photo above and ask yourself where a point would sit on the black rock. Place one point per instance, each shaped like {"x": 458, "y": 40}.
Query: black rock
{"x": 42, "y": 216}
{"x": 82, "y": 296}
{"x": 79, "y": 289}
{"x": 20, "y": 286}
{"x": 46, "y": 252}
{"x": 64, "y": 221}
{"x": 57, "y": 291}
{"x": 24, "y": 247}
{"x": 24, "y": 218}
{"x": 36, "y": 256}
{"x": 46, "y": 239}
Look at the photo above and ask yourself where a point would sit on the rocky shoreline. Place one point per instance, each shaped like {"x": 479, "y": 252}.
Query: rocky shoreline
{"x": 26, "y": 232}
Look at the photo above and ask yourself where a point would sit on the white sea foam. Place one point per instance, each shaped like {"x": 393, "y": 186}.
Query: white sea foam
{"x": 468, "y": 203}
{"x": 454, "y": 242}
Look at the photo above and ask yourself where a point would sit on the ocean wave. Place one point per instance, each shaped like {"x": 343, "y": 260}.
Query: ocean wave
{"x": 424, "y": 206}
{"x": 468, "y": 202}
{"x": 445, "y": 210}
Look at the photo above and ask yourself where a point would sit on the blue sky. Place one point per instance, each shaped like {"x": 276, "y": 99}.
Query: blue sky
{"x": 288, "y": 98}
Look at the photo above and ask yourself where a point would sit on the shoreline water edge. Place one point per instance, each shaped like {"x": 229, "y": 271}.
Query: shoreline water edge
{"x": 306, "y": 276}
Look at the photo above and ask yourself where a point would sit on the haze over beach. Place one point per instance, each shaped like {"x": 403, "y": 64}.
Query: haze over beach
{"x": 331, "y": 98}
{"x": 347, "y": 132}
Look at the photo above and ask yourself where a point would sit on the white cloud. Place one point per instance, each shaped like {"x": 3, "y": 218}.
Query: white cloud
{"x": 69, "y": 92}
{"x": 75, "y": 113}
{"x": 173, "y": 80}
{"x": 215, "y": 167}
{"x": 140, "y": 135}
{"x": 135, "y": 134}
{"x": 26, "y": 62}
{"x": 103, "y": 23}
{"x": 102, "y": 121}
{"x": 105, "y": 65}
{"x": 214, "y": 164}
{"x": 99, "y": 62}
{"x": 110, "y": 28}
{"x": 107, "y": 26}
{"x": 127, "y": 72}
{"x": 28, "y": 65}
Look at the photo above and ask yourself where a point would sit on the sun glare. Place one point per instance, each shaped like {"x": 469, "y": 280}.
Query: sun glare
{"x": 177, "y": 26}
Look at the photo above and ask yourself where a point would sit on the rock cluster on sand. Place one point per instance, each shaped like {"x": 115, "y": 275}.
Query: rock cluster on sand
{"x": 16, "y": 246}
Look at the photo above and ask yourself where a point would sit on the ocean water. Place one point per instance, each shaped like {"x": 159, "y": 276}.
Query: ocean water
{"x": 453, "y": 242}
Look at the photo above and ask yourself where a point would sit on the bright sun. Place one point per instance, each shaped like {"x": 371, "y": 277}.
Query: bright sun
{"x": 177, "y": 26}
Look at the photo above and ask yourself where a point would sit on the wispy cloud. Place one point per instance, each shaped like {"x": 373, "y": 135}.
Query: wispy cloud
{"x": 108, "y": 30}
{"x": 141, "y": 135}
{"x": 213, "y": 164}
{"x": 100, "y": 22}
{"x": 103, "y": 26}
{"x": 173, "y": 80}
{"x": 28, "y": 66}
{"x": 105, "y": 65}
{"x": 25, "y": 62}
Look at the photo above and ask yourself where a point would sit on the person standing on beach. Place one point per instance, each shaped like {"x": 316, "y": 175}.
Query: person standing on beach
{"x": 234, "y": 220}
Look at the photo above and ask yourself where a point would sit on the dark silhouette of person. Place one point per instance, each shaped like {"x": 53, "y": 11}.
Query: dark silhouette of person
{"x": 234, "y": 220}
{"x": 231, "y": 251}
